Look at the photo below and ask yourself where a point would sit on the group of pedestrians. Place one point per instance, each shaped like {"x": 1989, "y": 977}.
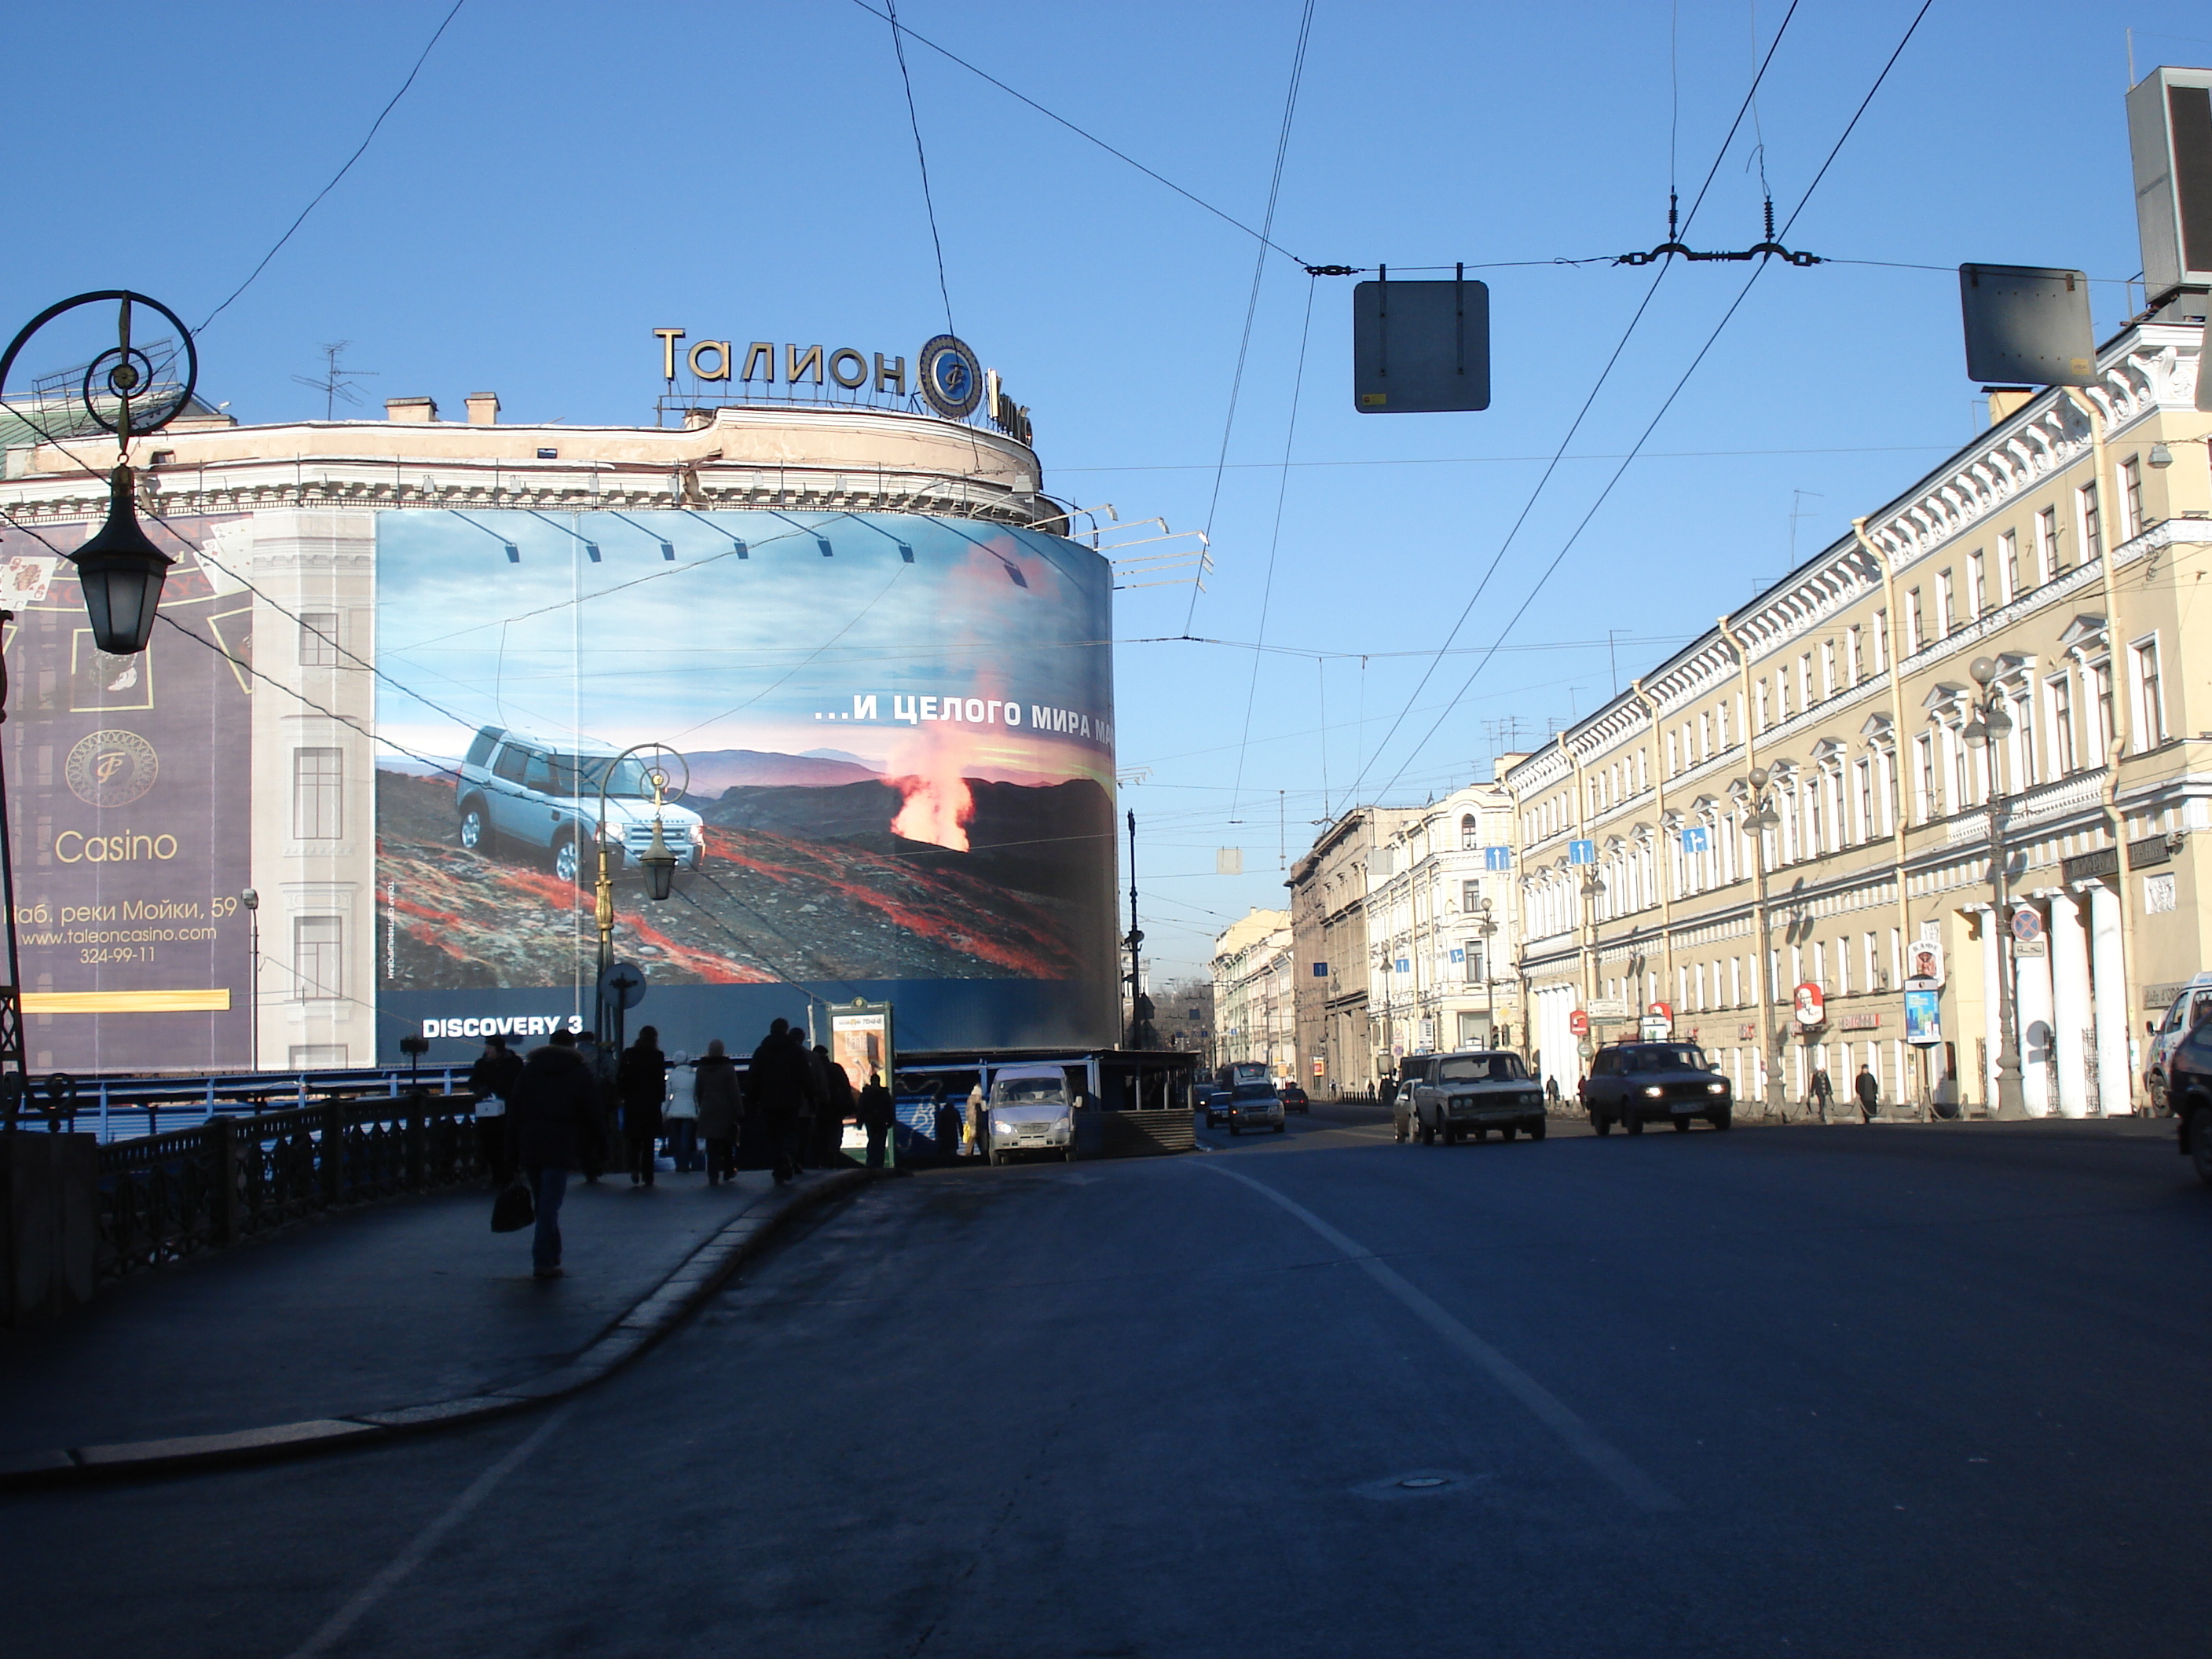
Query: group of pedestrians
{"x": 546, "y": 1116}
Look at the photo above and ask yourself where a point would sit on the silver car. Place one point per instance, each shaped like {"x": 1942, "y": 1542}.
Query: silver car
{"x": 545, "y": 797}
{"x": 1254, "y": 1106}
{"x": 1474, "y": 1092}
{"x": 1031, "y": 1110}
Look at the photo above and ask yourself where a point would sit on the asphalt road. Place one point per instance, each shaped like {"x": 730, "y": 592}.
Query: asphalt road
{"x": 1912, "y": 1390}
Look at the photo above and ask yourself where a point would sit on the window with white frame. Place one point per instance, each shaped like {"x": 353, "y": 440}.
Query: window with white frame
{"x": 1880, "y": 640}
{"x": 2050, "y": 559}
{"x": 2058, "y": 706}
{"x": 2150, "y": 701}
{"x": 318, "y": 794}
{"x": 2008, "y": 566}
{"x": 2089, "y": 517}
{"x": 1863, "y": 773}
{"x": 2100, "y": 693}
{"x": 1924, "y": 805}
{"x": 1873, "y": 963}
{"x": 1470, "y": 837}
{"x": 1758, "y": 703}
{"x": 1914, "y": 635}
{"x": 1827, "y": 668}
{"x": 317, "y": 958}
{"x": 1854, "y": 662}
{"x": 1977, "y": 583}
{"x": 1947, "y": 610}
{"x": 2131, "y": 502}
{"x": 1805, "y": 681}
{"x": 319, "y": 639}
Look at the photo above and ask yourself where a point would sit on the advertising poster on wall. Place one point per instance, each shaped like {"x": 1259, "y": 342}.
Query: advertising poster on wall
{"x": 897, "y": 732}
{"x": 129, "y": 793}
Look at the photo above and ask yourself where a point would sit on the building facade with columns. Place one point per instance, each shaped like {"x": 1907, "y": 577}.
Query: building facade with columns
{"x": 1255, "y": 1013}
{"x": 2068, "y": 546}
{"x": 1332, "y": 970}
{"x": 1443, "y": 925}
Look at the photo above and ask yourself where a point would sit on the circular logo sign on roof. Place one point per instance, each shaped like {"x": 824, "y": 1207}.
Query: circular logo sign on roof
{"x": 950, "y": 377}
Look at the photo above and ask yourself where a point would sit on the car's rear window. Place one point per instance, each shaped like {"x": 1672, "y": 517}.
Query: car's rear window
{"x": 1254, "y": 1092}
{"x": 1663, "y": 1057}
{"x": 1480, "y": 1068}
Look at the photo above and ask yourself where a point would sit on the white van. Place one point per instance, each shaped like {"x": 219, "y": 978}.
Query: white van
{"x": 1031, "y": 1110}
{"x": 2194, "y": 1004}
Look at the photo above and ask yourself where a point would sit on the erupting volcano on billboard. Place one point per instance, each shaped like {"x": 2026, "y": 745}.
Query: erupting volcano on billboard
{"x": 901, "y": 770}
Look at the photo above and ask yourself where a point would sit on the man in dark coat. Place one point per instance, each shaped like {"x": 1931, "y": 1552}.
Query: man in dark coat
{"x": 829, "y": 1117}
{"x": 642, "y": 1083}
{"x": 876, "y": 1117}
{"x": 778, "y": 1084}
{"x": 553, "y": 1110}
{"x": 1869, "y": 1093}
{"x": 491, "y": 1079}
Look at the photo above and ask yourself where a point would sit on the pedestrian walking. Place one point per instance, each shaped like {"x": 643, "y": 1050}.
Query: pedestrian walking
{"x": 837, "y": 1108}
{"x": 679, "y": 1116}
{"x": 641, "y": 1081}
{"x": 1822, "y": 1092}
{"x": 776, "y": 1086}
{"x": 972, "y": 1133}
{"x": 876, "y": 1115}
{"x": 491, "y": 1080}
{"x": 554, "y": 1109}
{"x": 716, "y": 1100}
{"x": 1869, "y": 1093}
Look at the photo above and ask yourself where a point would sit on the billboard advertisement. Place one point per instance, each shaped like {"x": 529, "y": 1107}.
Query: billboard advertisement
{"x": 894, "y": 739}
{"x": 128, "y": 794}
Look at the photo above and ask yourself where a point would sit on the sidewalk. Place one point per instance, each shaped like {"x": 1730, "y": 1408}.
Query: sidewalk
{"x": 409, "y": 1311}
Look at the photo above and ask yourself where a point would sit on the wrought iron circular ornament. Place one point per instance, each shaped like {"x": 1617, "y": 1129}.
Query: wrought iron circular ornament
{"x": 950, "y": 377}
{"x": 145, "y": 378}
{"x": 112, "y": 769}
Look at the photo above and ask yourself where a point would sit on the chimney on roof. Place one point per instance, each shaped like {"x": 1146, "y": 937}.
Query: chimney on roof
{"x": 2006, "y": 400}
{"x": 415, "y": 412}
{"x": 483, "y": 408}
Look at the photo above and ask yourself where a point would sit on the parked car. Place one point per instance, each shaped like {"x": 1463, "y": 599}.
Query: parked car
{"x": 1474, "y": 1092}
{"x": 1031, "y": 1110}
{"x": 545, "y": 797}
{"x": 1633, "y": 1083}
{"x": 1254, "y": 1106}
{"x": 1293, "y": 1097}
{"x": 1214, "y": 1101}
{"x": 2188, "y": 1010}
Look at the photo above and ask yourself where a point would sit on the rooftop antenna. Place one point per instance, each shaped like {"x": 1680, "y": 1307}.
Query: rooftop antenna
{"x": 337, "y": 383}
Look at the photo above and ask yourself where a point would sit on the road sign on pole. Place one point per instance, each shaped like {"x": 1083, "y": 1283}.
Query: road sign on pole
{"x": 623, "y": 984}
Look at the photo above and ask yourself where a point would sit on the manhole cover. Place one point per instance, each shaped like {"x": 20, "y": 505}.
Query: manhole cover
{"x": 1420, "y": 1482}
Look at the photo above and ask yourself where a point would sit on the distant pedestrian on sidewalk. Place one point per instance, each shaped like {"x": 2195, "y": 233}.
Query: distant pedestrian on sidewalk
{"x": 642, "y": 1082}
{"x": 876, "y": 1117}
{"x": 1869, "y": 1094}
{"x": 714, "y": 1096}
{"x": 491, "y": 1080}
{"x": 776, "y": 1086}
{"x": 1822, "y": 1092}
{"x": 554, "y": 1112}
{"x": 680, "y": 1116}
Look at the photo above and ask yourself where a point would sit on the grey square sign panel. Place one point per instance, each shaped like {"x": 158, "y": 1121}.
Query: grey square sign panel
{"x": 2027, "y": 323}
{"x": 1420, "y": 348}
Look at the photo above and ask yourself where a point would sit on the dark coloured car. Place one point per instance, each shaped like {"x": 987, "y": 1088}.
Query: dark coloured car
{"x": 2189, "y": 1091}
{"x": 1633, "y": 1083}
{"x": 1294, "y": 1098}
{"x": 1214, "y": 1101}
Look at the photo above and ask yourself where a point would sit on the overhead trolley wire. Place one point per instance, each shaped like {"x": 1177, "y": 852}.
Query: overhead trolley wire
{"x": 1558, "y": 454}
{"x": 421, "y": 59}
{"x": 1259, "y": 270}
{"x": 1652, "y": 425}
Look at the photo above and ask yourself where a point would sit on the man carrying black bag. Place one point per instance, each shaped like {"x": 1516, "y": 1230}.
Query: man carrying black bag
{"x": 554, "y": 1112}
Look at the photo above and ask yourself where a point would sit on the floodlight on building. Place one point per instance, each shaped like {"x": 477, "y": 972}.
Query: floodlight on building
{"x": 2160, "y": 456}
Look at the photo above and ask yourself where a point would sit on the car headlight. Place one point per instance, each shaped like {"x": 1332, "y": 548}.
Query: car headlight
{"x": 699, "y": 834}
{"x": 1717, "y": 1088}
{"x": 1654, "y": 1091}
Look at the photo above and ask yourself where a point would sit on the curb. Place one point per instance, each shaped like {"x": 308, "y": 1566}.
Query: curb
{"x": 696, "y": 1278}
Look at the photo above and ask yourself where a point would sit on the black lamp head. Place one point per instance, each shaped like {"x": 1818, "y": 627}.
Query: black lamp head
{"x": 122, "y": 573}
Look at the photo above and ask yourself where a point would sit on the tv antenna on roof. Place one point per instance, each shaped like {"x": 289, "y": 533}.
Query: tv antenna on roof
{"x": 337, "y": 383}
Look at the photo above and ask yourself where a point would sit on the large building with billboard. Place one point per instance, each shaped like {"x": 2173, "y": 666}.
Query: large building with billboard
{"x": 398, "y": 659}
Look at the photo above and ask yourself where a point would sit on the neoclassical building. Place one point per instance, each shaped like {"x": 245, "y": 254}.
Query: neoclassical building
{"x": 1253, "y": 1008}
{"x": 2070, "y": 545}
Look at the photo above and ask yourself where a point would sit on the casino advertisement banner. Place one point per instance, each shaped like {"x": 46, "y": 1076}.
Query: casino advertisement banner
{"x": 897, "y": 732}
{"x": 129, "y": 790}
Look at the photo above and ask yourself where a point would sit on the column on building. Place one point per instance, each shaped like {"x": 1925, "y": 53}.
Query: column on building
{"x": 1992, "y": 1004}
{"x": 2069, "y": 1002}
{"x": 2114, "y": 1075}
{"x": 2032, "y": 1013}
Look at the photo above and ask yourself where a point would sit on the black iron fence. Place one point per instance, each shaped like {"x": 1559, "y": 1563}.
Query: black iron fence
{"x": 164, "y": 1197}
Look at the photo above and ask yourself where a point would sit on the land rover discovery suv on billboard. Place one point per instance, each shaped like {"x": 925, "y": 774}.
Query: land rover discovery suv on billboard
{"x": 1473, "y": 1092}
{"x": 544, "y": 797}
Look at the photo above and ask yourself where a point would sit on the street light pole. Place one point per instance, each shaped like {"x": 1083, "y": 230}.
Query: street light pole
{"x": 1772, "y": 1038}
{"x": 1989, "y": 723}
{"x": 1488, "y": 929}
{"x": 658, "y": 863}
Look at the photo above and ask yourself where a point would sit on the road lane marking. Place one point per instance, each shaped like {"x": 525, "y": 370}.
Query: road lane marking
{"x": 1639, "y": 1488}
{"x": 334, "y": 1630}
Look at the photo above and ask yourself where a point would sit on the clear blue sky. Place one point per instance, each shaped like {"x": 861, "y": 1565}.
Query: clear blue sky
{"x": 563, "y": 178}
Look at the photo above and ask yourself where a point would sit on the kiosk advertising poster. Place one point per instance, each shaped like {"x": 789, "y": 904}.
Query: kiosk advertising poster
{"x": 860, "y": 1042}
{"x": 892, "y": 737}
{"x": 129, "y": 795}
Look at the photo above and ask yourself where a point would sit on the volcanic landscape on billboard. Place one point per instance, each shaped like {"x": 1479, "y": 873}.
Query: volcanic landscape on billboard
{"x": 897, "y": 731}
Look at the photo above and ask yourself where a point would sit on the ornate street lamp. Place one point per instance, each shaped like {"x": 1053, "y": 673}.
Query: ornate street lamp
{"x": 1772, "y": 1037}
{"x": 658, "y": 861}
{"x": 1989, "y": 723}
{"x": 1488, "y": 929}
